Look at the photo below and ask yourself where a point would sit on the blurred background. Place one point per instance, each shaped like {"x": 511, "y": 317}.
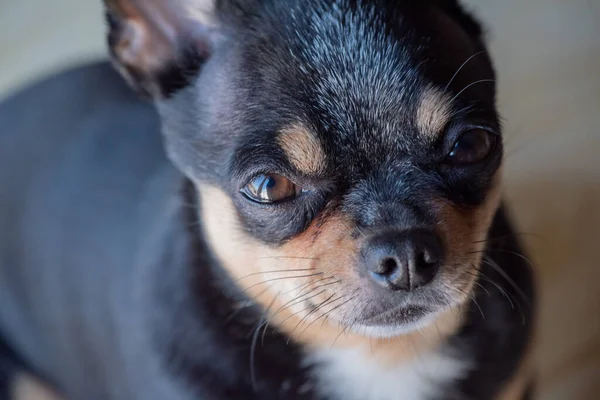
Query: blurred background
{"x": 547, "y": 53}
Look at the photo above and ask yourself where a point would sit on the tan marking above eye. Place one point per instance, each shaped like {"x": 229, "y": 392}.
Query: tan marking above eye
{"x": 302, "y": 148}
{"x": 434, "y": 112}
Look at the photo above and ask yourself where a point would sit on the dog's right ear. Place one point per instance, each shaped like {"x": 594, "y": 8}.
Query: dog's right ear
{"x": 159, "y": 45}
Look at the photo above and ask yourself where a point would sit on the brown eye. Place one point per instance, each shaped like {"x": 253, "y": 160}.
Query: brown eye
{"x": 270, "y": 189}
{"x": 471, "y": 147}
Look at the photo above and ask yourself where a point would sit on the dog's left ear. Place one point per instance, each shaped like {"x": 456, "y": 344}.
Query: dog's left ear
{"x": 159, "y": 45}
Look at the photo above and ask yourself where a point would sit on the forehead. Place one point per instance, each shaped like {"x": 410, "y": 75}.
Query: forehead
{"x": 381, "y": 73}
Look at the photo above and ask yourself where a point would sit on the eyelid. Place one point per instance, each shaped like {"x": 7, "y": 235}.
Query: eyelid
{"x": 247, "y": 192}
{"x": 494, "y": 139}
{"x": 246, "y": 176}
{"x": 455, "y": 129}
{"x": 308, "y": 184}
{"x": 459, "y": 128}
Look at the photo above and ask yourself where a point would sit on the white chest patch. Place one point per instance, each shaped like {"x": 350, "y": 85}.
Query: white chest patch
{"x": 354, "y": 374}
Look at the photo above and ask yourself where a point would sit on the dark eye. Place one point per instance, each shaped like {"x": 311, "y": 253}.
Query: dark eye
{"x": 471, "y": 147}
{"x": 270, "y": 189}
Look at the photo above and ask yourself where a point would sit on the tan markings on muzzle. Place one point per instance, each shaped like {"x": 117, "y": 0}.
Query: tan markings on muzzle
{"x": 464, "y": 232}
{"x": 318, "y": 266}
{"x": 434, "y": 112}
{"x": 302, "y": 148}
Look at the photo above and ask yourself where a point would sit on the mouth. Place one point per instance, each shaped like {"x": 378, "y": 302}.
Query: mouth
{"x": 397, "y": 321}
{"x": 400, "y": 315}
{"x": 392, "y": 322}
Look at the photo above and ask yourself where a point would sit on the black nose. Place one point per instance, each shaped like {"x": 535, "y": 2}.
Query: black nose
{"x": 403, "y": 260}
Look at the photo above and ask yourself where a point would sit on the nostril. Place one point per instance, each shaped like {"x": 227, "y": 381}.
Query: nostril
{"x": 388, "y": 266}
{"x": 425, "y": 261}
{"x": 428, "y": 257}
{"x": 426, "y": 264}
{"x": 403, "y": 260}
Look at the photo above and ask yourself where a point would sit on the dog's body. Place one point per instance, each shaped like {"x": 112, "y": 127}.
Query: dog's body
{"x": 116, "y": 280}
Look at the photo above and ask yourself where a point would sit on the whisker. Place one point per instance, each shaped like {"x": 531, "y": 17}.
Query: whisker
{"x": 498, "y": 269}
{"x": 300, "y": 297}
{"x": 460, "y": 68}
{"x": 521, "y": 256}
{"x": 353, "y": 296}
{"x": 478, "y": 306}
{"x": 347, "y": 327}
{"x": 296, "y": 300}
{"x": 298, "y": 312}
{"x": 500, "y": 288}
{"x": 263, "y": 320}
{"x": 483, "y": 288}
{"x": 501, "y": 237}
{"x": 514, "y": 253}
{"x": 314, "y": 310}
{"x": 282, "y": 278}
{"x": 235, "y": 312}
{"x": 286, "y": 258}
{"x": 469, "y": 85}
{"x": 272, "y": 272}
{"x": 473, "y": 299}
{"x": 253, "y": 352}
{"x": 463, "y": 111}
{"x": 508, "y": 296}
{"x": 326, "y": 313}
{"x": 301, "y": 287}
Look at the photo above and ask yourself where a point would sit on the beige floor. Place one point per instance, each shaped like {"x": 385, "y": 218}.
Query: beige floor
{"x": 548, "y": 58}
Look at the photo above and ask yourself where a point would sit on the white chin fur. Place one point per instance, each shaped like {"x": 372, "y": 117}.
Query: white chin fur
{"x": 390, "y": 331}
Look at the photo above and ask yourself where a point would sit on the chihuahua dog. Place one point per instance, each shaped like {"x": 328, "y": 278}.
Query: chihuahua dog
{"x": 325, "y": 222}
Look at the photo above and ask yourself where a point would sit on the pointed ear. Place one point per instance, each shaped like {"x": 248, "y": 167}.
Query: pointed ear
{"x": 159, "y": 45}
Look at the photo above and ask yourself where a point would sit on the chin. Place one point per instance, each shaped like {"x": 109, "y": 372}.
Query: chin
{"x": 400, "y": 321}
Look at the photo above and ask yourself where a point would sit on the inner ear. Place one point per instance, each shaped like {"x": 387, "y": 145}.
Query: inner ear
{"x": 159, "y": 45}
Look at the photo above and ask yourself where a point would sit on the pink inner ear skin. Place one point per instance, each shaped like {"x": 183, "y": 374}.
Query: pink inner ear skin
{"x": 150, "y": 34}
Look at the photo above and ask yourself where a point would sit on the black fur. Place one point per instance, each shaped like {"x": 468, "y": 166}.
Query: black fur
{"x": 10, "y": 366}
{"x": 496, "y": 332}
{"x": 498, "y": 329}
{"x": 354, "y": 72}
{"x": 273, "y": 372}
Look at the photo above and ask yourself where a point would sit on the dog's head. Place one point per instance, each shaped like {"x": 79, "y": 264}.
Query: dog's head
{"x": 346, "y": 152}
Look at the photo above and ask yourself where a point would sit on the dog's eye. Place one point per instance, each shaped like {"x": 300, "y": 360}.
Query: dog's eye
{"x": 471, "y": 147}
{"x": 271, "y": 189}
